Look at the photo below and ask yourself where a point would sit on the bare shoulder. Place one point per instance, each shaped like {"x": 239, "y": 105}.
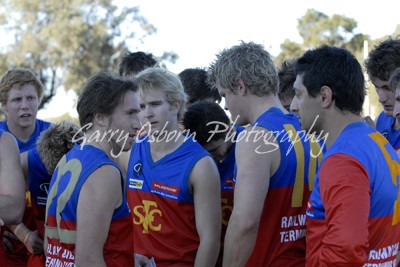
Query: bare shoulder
{"x": 7, "y": 140}
{"x": 256, "y": 142}
{"x": 106, "y": 174}
{"x": 204, "y": 170}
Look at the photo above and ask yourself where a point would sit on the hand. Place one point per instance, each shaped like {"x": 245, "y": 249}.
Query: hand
{"x": 7, "y": 235}
{"x": 141, "y": 261}
{"x": 34, "y": 243}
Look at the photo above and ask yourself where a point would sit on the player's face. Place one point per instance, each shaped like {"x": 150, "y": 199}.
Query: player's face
{"x": 158, "y": 114}
{"x": 125, "y": 122}
{"x": 218, "y": 149}
{"x": 294, "y": 106}
{"x": 234, "y": 104}
{"x": 308, "y": 107}
{"x": 22, "y": 106}
{"x": 385, "y": 95}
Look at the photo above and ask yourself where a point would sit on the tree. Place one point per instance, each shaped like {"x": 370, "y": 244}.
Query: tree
{"x": 65, "y": 42}
{"x": 316, "y": 28}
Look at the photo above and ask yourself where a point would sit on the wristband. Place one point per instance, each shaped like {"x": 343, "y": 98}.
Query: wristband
{"x": 22, "y": 232}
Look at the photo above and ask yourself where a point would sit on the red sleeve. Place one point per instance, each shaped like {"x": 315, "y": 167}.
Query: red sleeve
{"x": 345, "y": 192}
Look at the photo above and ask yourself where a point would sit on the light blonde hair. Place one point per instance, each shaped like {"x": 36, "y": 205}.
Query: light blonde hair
{"x": 161, "y": 79}
{"x": 56, "y": 141}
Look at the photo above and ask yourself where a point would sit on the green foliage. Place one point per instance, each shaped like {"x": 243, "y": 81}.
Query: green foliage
{"x": 317, "y": 28}
{"x": 65, "y": 42}
{"x": 65, "y": 116}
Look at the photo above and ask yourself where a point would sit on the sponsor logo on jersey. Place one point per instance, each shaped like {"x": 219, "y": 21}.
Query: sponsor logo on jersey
{"x": 135, "y": 183}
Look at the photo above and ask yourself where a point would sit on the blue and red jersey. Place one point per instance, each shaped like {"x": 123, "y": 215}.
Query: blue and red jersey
{"x": 162, "y": 204}
{"x": 71, "y": 173}
{"x": 384, "y": 125}
{"x": 38, "y": 186}
{"x": 281, "y": 235}
{"x": 20, "y": 255}
{"x": 353, "y": 213}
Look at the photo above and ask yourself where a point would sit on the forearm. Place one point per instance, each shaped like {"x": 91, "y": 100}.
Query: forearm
{"x": 11, "y": 209}
{"x": 239, "y": 244}
{"x": 207, "y": 253}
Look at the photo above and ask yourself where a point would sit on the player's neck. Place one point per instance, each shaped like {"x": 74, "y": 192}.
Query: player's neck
{"x": 336, "y": 124}
{"x": 161, "y": 147}
{"x": 22, "y": 133}
{"x": 261, "y": 104}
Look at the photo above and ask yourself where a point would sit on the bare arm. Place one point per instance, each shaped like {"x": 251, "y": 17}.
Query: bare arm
{"x": 99, "y": 196}
{"x": 12, "y": 186}
{"x": 31, "y": 239}
{"x": 205, "y": 182}
{"x": 254, "y": 161}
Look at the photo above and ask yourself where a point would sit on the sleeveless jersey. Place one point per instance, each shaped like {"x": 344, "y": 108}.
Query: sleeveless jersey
{"x": 162, "y": 204}
{"x": 38, "y": 185}
{"x": 31, "y": 143}
{"x": 380, "y": 167}
{"x": 20, "y": 255}
{"x": 281, "y": 235}
{"x": 384, "y": 125}
{"x": 61, "y": 212}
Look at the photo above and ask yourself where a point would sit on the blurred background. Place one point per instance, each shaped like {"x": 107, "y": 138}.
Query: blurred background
{"x": 65, "y": 42}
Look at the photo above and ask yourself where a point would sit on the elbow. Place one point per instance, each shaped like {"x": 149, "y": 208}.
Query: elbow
{"x": 244, "y": 227}
{"x": 15, "y": 212}
{"x": 350, "y": 252}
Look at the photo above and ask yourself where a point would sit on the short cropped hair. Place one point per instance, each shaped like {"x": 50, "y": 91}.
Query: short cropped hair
{"x": 133, "y": 63}
{"x": 152, "y": 79}
{"x": 201, "y": 113}
{"x": 18, "y": 77}
{"x": 338, "y": 69}
{"x": 56, "y": 141}
{"x": 249, "y": 62}
{"x": 102, "y": 93}
{"x": 394, "y": 81}
{"x": 383, "y": 59}
{"x": 197, "y": 86}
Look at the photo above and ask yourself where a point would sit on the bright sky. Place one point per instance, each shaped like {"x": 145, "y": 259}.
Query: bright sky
{"x": 197, "y": 30}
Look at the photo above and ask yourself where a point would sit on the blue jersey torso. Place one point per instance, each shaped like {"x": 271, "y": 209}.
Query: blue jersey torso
{"x": 76, "y": 166}
{"x": 227, "y": 167}
{"x": 384, "y": 125}
{"x": 383, "y": 190}
{"x": 31, "y": 143}
{"x": 172, "y": 170}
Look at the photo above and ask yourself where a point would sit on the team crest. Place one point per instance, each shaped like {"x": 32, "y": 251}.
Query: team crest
{"x": 385, "y": 133}
{"x": 137, "y": 169}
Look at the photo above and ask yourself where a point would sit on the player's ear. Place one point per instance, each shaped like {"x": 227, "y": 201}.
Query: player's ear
{"x": 325, "y": 96}
{"x": 101, "y": 119}
{"x": 242, "y": 89}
